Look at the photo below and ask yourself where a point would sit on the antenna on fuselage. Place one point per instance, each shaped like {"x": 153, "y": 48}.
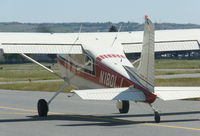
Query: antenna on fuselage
{"x": 116, "y": 35}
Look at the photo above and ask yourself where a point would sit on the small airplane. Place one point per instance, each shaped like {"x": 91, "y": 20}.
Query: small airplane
{"x": 96, "y": 63}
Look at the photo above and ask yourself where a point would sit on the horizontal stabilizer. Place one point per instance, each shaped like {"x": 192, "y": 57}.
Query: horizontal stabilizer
{"x": 177, "y": 93}
{"x": 130, "y": 93}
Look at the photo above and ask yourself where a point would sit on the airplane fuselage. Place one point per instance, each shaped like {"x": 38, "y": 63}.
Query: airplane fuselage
{"x": 96, "y": 74}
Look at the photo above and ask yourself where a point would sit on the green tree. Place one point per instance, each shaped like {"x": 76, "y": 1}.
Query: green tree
{"x": 113, "y": 28}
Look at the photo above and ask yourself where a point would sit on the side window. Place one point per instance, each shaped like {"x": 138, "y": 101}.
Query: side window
{"x": 83, "y": 61}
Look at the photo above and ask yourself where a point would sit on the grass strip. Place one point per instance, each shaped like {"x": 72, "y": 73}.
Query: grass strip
{"x": 177, "y": 64}
{"x": 25, "y": 75}
{"x": 47, "y": 86}
{"x": 178, "y": 82}
{"x": 175, "y": 72}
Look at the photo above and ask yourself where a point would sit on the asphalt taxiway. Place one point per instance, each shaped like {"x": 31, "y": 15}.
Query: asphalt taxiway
{"x": 73, "y": 116}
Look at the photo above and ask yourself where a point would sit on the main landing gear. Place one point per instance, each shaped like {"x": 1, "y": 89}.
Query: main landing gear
{"x": 43, "y": 105}
{"x": 123, "y": 106}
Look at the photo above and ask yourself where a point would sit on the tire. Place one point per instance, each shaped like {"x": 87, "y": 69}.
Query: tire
{"x": 157, "y": 117}
{"x": 124, "y": 106}
{"x": 42, "y": 108}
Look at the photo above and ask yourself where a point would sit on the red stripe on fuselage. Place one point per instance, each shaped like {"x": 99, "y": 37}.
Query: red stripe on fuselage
{"x": 101, "y": 57}
{"x": 107, "y": 78}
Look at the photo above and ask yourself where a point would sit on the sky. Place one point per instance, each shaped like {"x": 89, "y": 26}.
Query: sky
{"x": 60, "y": 11}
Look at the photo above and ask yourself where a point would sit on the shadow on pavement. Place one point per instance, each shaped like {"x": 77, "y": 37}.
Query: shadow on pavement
{"x": 100, "y": 120}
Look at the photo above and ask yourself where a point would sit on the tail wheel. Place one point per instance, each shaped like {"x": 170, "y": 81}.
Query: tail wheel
{"x": 157, "y": 117}
{"x": 123, "y": 106}
{"x": 42, "y": 108}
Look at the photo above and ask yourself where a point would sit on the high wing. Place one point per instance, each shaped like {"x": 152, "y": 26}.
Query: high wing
{"x": 38, "y": 43}
{"x": 41, "y": 48}
{"x": 73, "y": 43}
{"x": 177, "y": 93}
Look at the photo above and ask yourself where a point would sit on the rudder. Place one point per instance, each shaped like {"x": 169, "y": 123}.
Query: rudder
{"x": 146, "y": 68}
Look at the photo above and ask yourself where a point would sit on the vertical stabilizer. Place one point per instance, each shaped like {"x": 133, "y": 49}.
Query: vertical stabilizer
{"x": 146, "y": 67}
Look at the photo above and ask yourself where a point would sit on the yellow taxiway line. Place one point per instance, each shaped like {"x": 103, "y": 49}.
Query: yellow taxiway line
{"x": 17, "y": 109}
{"x": 15, "y": 113}
{"x": 169, "y": 126}
{"x": 92, "y": 117}
{"x": 26, "y": 110}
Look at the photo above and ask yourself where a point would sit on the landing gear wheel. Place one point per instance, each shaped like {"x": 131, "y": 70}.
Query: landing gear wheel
{"x": 42, "y": 108}
{"x": 157, "y": 117}
{"x": 123, "y": 106}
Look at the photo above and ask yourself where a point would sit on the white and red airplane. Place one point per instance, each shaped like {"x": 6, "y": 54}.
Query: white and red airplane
{"x": 96, "y": 63}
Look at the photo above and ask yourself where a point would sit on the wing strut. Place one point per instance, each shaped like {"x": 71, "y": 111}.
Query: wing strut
{"x": 39, "y": 64}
